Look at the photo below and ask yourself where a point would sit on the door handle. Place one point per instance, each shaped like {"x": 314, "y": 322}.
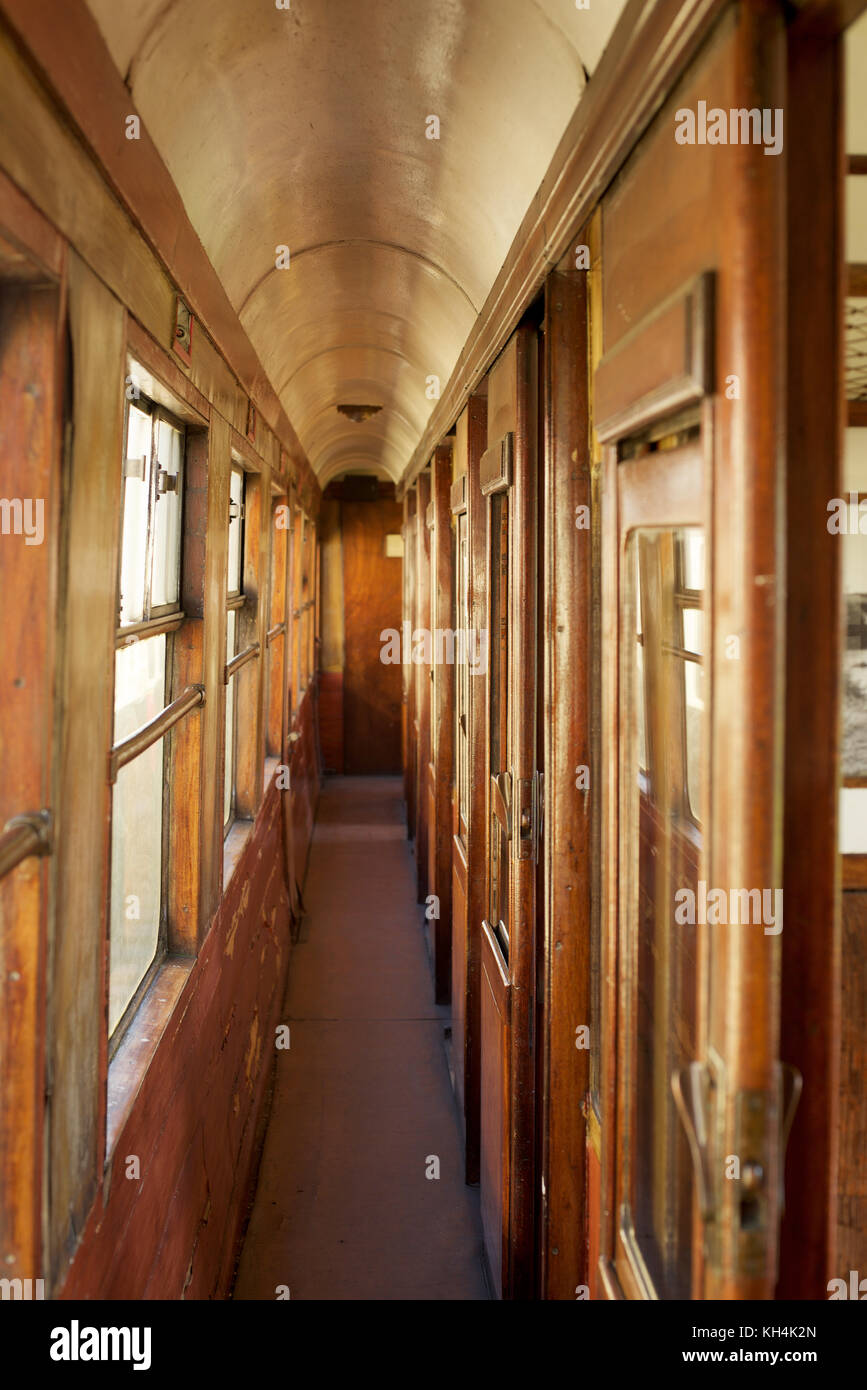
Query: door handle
{"x": 501, "y": 800}
{"x": 699, "y": 1102}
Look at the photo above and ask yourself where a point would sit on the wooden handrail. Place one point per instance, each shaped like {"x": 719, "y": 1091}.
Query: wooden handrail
{"x": 124, "y": 752}
{"x": 22, "y": 836}
{"x": 240, "y": 660}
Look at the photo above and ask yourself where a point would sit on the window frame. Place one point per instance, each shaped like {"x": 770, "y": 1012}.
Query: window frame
{"x": 164, "y": 619}
{"x": 235, "y": 602}
{"x": 152, "y": 615}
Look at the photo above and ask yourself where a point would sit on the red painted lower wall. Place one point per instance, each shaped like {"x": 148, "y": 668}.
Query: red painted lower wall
{"x": 174, "y": 1232}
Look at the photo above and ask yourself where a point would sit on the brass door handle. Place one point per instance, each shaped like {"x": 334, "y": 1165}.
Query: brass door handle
{"x": 501, "y": 800}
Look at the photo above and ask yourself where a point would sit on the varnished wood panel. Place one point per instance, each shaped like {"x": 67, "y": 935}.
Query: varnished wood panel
{"x": 72, "y": 55}
{"x": 408, "y": 675}
{"x": 495, "y": 1118}
{"x": 31, "y": 375}
{"x": 850, "y": 1216}
{"x": 372, "y": 603}
{"x": 252, "y": 622}
{"x": 185, "y": 744}
{"x": 663, "y": 213}
{"x": 214, "y": 664}
{"x": 470, "y": 444}
{"x": 442, "y": 720}
{"x": 459, "y": 982}
{"x": 650, "y": 45}
{"x": 173, "y": 1233}
{"x": 331, "y": 720}
{"x": 568, "y": 852}
{"x": 91, "y": 503}
{"x": 31, "y": 233}
{"x": 811, "y": 938}
{"x": 422, "y": 678}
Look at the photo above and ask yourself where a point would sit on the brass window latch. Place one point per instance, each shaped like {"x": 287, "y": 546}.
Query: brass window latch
{"x": 736, "y": 1177}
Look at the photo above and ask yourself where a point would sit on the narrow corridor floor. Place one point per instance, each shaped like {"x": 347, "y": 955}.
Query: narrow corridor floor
{"x": 362, "y": 1102}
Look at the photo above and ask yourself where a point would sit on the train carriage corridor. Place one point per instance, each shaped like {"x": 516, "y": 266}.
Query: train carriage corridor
{"x": 433, "y": 695}
{"x": 361, "y": 1191}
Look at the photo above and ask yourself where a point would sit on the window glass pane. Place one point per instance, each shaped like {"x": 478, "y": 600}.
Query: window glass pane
{"x": 693, "y": 630}
{"x": 135, "y": 517}
{"x": 660, "y": 855}
{"x": 236, "y": 503}
{"x": 853, "y": 820}
{"x": 136, "y": 876}
{"x": 229, "y": 779}
{"x": 692, "y": 540}
{"x": 167, "y": 514}
{"x": 694, "y": 691}
{"x": 854, "y": 560}
{"x": 640, "y": 701}
{"x": 139, "y": 685}
{"x": 499, "y": 707}
{"x": 463, "y": 678}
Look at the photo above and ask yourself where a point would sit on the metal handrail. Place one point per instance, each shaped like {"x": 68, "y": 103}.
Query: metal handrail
{"x": 273, "y": 633}
{"x": 22, "y": 836}
{"x": 123, "y": 753}
{"x": 240, "y": 660}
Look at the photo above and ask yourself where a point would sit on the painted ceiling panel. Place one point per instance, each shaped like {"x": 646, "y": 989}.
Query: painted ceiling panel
{"x": 308, "y": 128}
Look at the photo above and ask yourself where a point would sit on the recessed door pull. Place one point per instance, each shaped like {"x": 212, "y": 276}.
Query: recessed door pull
{"x": 737, "y": 1170}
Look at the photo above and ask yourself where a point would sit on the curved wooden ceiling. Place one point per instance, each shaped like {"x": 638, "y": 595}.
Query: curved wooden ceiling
{"x": 306, "y": 128}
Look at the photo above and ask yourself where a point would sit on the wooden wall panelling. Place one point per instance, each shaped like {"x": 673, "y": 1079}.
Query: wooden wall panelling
{"x": 523, "y": 739}
{"x": 495, "y": 1118}
{"x": 616, "y": 109}
{"x": 662, "y": 213}
{"x": 214, "y": 713}
{"x": 371, "y": 604}
{"x": 748, "y": 587}
{"x": 276, "y": 655}
{"x": 814, "y": 437}
{"x": 22, "y": 224}
{"x": 410, "y": 506}
{"x": 252, "y": 627}
{"x": 569, "y": 811}
{"x": 847, "y": 1244}
{"x": 422, "y": 677}
{"x": 34, "y": 146}
{"x": 154, "y": 366}
{"x": 476, "y": 435}
{"x": 288, "y": 743}
{"x": 332, "y": 653}
{"x": 32, "y": 362}
{"x": 66, "y": 44}
{"x": 185, "y": 743}
{"x": 174, "y": 1234}
{"x": 442, "y": 720}
{"x": 77, "y": 989}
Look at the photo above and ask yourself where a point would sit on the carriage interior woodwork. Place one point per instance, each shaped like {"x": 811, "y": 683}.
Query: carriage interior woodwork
{"x": 505, "y": 440}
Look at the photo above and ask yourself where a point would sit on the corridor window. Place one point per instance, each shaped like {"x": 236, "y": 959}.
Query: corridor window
{"x": 277, "y": 639}
{"x": 234, "y": 602}
{"x": 664, "y": 714}
{"x": 151, "y": 525}
{"x": 462, "y": 684}
{"x": 149, "y": 586}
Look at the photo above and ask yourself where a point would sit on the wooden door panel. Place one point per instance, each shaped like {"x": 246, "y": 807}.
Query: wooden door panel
{"x": 703, "y": 1004}
{"x": 495, "y": 1117}
{"x": 371, "y": 596}
{"x": 508, "y": 478}
{"x": 468, "y": 849}
{"x": 459, "y": 978}
{"x": 431, "y": 909}
{"x": 422, "y": 680}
